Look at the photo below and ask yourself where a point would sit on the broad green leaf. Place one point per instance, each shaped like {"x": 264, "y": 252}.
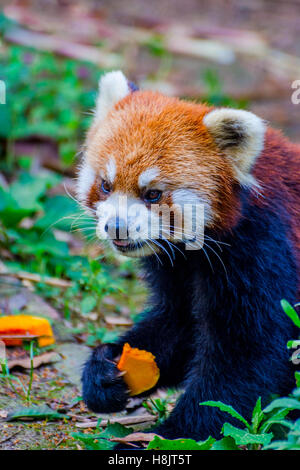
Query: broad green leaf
{"x": 244, "y": 437}
{"x": 100, "y": 441}
{"x": 180, "y": 444}
{"x": 297, "y": 377}
{"x": 10, "y": 213}
{"x": 293, "y": 343}
{"x": 33, "y": 244}
{"x": 116, "y": 430}
{"x": 288, "y": 403}
{"x": 227, "y": 408}
{"x": 291, "y": 312}
{"x": 58, "y": 211}
{"x": 227, "y": 443}
{"x": 93, "y": 441}
{"x": 35, "y": 412}
{"x": 28, "y": 189}
{"x": 88, "y": 303}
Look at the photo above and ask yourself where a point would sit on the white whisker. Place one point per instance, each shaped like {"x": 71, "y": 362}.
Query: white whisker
{"x": 163, "y": 248}
{"x": 221, "y": 261}
{"x": 156, "y": 255}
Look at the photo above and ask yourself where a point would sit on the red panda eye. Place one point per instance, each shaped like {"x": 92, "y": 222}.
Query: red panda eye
{"x": 105, "y": 187}
{"x": 153, "y": 195}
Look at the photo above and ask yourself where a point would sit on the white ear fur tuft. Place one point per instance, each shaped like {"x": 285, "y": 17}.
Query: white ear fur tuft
{"x": 240, "y": 134}
{"x": 113, "y": 87}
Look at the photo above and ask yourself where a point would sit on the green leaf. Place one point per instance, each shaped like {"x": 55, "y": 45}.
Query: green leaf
{"x": 282, "y": 445}
{"x": 35, "y": 412}
{"x": 116, "y": 430}
{"x": 257, "y": 415}
{"x": 180, "y": 444}
{"x": 293, "y": 343}
{"x": 244, "y": 437}
{"x": 275, "y": 418}
{"x": 227, "y": 408}
{"x": 291, "y": 312}
{"x": 57, "y": 213}
{"x": 93, "y": 441}
{"x": 297, "y": 377}
{"x": 156, "y": 45}
{"x": 100, "y": 441}
{"x": 10, "y": 213}
{"x": 5, "y": 120}
{"x": 292, "y": 441}
{"x": 28, "y": 190}
{"x": 287, "y": 403}
{"x": 88, "y": 303}
{"x": 227, "y": 443}
{"x": 296, "y": 393}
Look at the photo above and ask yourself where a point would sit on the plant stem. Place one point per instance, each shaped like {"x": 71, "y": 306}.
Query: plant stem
{"x": 31, "y": 371}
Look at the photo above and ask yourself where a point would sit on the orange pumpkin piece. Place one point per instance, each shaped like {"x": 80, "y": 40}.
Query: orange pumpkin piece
{"x": 25, "y": 325}
{"x": 141, "y": 369}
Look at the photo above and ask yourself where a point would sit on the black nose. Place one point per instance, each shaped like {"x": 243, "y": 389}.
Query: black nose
{"x": 116, "y": 228}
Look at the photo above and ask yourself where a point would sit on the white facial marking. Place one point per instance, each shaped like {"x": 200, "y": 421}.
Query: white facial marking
{"x": 187, "y": 196}
{"x": 128, "y": 208}
{"x": 113, "y": 87}
{"x": 86, "y": 178}
{"x": 111, "y": 170}
{"x": 145, "y": 226}
{"x": 147, "y": 176}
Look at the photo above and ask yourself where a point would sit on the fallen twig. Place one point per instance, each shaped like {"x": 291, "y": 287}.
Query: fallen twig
{"x": 51, "y": 281}
{"x": 25, "y": 363}
{"x": 59, "y": 45}
{"x": 10, "y": 437}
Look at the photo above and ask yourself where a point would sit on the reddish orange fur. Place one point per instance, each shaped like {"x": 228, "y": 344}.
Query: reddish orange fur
{"x": 95, "y": 194}
{"x": 147, "y": 129}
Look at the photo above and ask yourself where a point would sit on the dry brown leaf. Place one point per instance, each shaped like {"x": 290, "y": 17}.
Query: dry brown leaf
{"x": 135, "y": 437}
{"x": 25, "y": 363}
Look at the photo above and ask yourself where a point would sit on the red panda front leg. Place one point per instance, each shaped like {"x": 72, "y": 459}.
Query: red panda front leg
{"x": 166, "y": 334}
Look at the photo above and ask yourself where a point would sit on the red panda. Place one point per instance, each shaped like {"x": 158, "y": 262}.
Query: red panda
{"x": 215, "y": 324}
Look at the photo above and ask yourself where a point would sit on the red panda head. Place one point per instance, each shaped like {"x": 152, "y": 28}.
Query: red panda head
{"x": 147, "y": 155}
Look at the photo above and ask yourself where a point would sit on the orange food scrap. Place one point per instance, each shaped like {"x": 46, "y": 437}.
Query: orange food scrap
{"x": 25, "y": 325}
{"x": 141, "y": 369}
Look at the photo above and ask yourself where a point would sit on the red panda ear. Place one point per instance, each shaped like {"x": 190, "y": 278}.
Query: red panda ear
{"x": 113, "y": 87}
{"x": 240, "y": 134}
